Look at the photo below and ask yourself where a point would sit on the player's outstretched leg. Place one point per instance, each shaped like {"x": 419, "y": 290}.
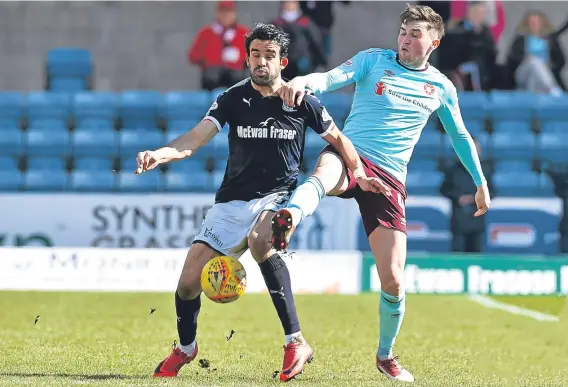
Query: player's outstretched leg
{"x": 329, "y": 178}
{"x": 297, "y": 352}
{"x": 389, "y": 249}
{"x": 188, "y": 304}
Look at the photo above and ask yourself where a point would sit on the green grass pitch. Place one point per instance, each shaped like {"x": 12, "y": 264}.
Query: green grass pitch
{"x": 111, "y": 339}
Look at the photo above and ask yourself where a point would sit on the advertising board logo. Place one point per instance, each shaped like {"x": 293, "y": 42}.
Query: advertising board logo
{"x": 512, "y": 235}
{"x": 417, "y": 229}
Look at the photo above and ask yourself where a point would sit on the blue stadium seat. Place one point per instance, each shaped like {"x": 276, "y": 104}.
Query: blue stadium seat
{"x": 182, "y": 181}
{"x": 554, "y": 147}
{"x": 552, "y": 110}
{"x": 516, "y": 183}
{"x": 150, "y": 181}
{"x": 188, "y": 105}
{"x": 12, "y": 109}
{"x": 95, "y": 110}
{"x": 424, "y": 183}
{"x": 41, "y": 180}
{"x": 338, "y": 104}
{"x": 11, "y": 142}
{"x": 92, "y": 181}
{"x": 432, "y": 125}
{"x": 473, "y": 106}
{"x": 140, "y": 109}
{"x": 429, "y": 145}
{"x": 172, "y": 134}
{"x": 314, "y": 143}
{"x": 128, "y": 164}
{"x": 87, "y": 142}
{"x": 182, "y": 126}
{"x": 93, "y": 164}
{"x": 521, "y": 146}
{"x": 45, "y": 143}
{"x": 68, "y": 61}
{"x": 512, "y": 111}
{"x": 217, "y": 179}
{"x": 513, "y": 166}
{"x": 132, "y": 141}
{"x": 7, "y": 163}
{"x": 68, "y": 84}
{"x": 46, "y": 164}
{"x": 546, "y": 186}
{"x": 220, "y": 163}
{"x": 48, "y": 110}
{"x": 550, "y": 126}
{"x": 422, "y": 165}
{"x": 10, "y": 179}
{"x": 219, "y": 145}
{"x": 193, "y": 164}
{"x": 41, "y": 142}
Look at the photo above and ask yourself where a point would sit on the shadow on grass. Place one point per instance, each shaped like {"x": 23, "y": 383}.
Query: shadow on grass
{"x": 73, "y": 376}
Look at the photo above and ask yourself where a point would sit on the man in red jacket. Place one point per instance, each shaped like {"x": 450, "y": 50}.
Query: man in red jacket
{"x": 219, "y": 49}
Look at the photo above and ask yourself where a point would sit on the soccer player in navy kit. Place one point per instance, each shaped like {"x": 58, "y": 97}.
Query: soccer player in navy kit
{"x": 266, "y": 144}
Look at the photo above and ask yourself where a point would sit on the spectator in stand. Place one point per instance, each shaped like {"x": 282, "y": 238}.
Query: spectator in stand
{"x": 559, "y": 175}
{"x": 496, "y": 19}
{"x": 469, "y": 52}
{"x": 468, "y": 231}
{"x": 306, "y": 48}
{"x": 219, "y": 49}
{"x": 535, "y": 57}
{"x": 321, "y": 14}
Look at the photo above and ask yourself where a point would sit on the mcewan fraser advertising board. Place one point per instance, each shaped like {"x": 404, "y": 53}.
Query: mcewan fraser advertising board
{"x": 484, "y": 274}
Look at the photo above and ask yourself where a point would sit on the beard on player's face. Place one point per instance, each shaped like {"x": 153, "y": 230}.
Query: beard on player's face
{"x": 266, "y": 79}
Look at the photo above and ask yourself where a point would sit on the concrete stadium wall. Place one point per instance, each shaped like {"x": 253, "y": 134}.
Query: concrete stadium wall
{"x": 141, "y": 45}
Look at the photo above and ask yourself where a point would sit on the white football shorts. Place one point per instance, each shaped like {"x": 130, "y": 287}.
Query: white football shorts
{"x": 226, "y": 226}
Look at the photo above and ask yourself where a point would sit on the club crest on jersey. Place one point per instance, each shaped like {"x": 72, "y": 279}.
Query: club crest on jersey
{"x": 287, "y": 108}
{"x": 380, "y": 88}
{"x": 429, "y": 89}
{"x": 389, "y": 73}
{"x": 348, "y": 62}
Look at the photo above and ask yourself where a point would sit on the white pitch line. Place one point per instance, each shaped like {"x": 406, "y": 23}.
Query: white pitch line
{"x": 493, "y": 304}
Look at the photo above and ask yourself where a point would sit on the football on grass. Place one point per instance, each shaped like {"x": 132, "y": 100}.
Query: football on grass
{"x": 223, "y": 279}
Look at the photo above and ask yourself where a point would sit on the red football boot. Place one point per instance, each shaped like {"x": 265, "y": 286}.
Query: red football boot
{"x": 393, "y": 370}
{"x": 296, "y": 355}
{"x": 170, "y": 366}
{"x": 281, "y": 228}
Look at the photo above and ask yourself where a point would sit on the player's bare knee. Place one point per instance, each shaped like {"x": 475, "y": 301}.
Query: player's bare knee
{"x": 392, "y": 281}
{"x": 188, "y": 290}
{"x": 189, "y": 285}
{"x": 330, "y": 170}
{"x": 259, "y": 245}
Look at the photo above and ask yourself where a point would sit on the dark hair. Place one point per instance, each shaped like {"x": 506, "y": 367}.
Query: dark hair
{"x": 423, "y": 13}
{"x": 271, "y": 32}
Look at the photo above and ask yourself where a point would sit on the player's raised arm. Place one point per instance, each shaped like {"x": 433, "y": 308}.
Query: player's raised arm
{"x": 188, "y": 143}
{"x": 322, "y": 123}
{"x": 182, "y": 147}
{"x": 352, "y": 70}
{"x": 450, "y": 116}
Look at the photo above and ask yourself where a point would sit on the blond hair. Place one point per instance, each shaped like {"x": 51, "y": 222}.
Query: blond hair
{"x": 423, "y": 13}
{"x": 547, "y": 27}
